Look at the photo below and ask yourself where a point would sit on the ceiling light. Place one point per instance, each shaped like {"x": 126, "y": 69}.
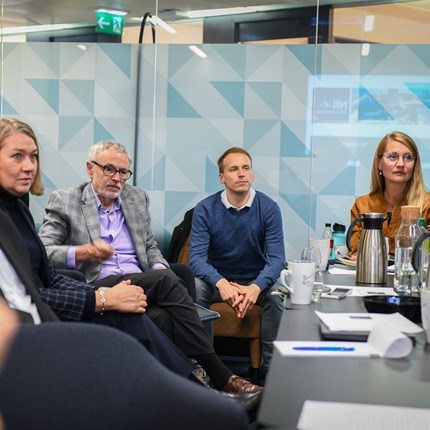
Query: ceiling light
{"x": 227, "y": 11}
{"x": 369, "y": 22}
{"x": 158, "y": 21}
{"x": 155, "y": 20}
{"x": 112, "y": 11}
{"x": 37, "y": 28}
{"x": 198, "y": 51}
{"x": 365, "y": 49}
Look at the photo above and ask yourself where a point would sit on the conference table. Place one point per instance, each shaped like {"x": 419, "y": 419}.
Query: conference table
{"x": 381, "y": 381}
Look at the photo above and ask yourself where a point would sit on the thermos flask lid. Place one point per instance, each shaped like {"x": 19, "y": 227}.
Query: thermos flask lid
{"x": 372, "y": 215}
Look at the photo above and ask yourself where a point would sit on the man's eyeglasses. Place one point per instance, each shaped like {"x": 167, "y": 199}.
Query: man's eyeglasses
{"x": 111, "y": 171}
{"x": 393, "y": 157}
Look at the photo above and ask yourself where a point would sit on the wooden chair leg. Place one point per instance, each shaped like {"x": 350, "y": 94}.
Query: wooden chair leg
{"x": 255, "y": 355}
{"x": 255, "y": 352}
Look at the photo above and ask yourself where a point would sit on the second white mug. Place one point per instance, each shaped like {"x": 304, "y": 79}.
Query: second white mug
{"x": 301, "y": 277}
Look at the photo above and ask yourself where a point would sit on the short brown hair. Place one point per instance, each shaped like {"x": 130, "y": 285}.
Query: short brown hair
{"x": 234, "y": 150}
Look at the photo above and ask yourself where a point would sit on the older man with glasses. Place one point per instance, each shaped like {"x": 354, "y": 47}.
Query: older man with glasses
{"x": 102, "y": 228}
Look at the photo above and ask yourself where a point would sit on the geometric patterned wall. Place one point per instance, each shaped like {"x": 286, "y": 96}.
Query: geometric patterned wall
{"x": 311, "y": 117}
{"x": 72, "y": 95}
{"x": 311, "y": 120}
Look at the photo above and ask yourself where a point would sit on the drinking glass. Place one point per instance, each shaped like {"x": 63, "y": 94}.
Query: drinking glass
{"x": 314, "y": 254}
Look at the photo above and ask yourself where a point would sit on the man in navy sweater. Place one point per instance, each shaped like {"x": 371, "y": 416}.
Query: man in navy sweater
{"x": 237, "y": 247}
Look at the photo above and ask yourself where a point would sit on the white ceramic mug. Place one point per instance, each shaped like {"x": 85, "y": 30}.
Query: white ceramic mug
{"x": 425, "y": 311}
{"x": 301, "y": 275}
{"x": 324, "y": 246}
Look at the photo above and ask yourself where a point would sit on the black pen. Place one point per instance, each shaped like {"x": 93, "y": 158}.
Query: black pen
{"x": 360, "y": 317}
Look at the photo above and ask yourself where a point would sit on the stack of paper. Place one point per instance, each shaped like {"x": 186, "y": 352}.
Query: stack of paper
{"x": 364, "y": 322}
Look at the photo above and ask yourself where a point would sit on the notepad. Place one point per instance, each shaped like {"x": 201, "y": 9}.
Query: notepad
{"x": 384, "y": 341}
{"x": 354, "y": 416}
{"x": 364, "y": 322}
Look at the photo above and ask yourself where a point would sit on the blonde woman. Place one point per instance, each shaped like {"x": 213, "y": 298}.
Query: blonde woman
{"x": 397, "y": 180}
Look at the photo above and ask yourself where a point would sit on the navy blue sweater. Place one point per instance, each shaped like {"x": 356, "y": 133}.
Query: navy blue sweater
{"x": 245, "y": 245}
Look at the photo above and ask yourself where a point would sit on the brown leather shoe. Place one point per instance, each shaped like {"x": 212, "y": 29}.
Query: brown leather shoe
{"x": 249, "y": 401}
{"x": 236, "y": 384}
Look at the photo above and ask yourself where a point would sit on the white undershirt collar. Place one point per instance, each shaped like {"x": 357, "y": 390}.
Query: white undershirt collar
{"x": 228, "y": 205}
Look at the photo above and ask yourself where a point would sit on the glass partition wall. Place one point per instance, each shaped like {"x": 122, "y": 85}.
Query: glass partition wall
{"x": 308, "y": 91}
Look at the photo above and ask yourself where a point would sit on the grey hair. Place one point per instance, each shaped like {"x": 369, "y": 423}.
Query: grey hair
{"x": 103, "y": 145}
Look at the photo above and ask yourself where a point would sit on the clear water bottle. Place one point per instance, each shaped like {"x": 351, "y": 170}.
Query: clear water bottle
{"x": 328, "y": 234}
{"x": 424, "y": 256}
{"x": 405, "y": 277}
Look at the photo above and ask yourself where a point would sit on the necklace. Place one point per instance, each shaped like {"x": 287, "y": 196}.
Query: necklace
{"x": 390, "y": 208}
{"x": 390, "y": 203}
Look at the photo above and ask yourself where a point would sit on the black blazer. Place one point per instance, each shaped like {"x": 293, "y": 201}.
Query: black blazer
{"x": 16, "y": 251}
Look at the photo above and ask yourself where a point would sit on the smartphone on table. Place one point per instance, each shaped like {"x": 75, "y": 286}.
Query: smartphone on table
{"x": 337, "y": 293}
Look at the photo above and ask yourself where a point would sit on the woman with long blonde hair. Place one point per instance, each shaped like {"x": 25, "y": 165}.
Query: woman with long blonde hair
{"x": 397, "y": 180}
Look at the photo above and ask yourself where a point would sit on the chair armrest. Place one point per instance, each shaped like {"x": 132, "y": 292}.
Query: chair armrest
{"x": 184, "y": 272}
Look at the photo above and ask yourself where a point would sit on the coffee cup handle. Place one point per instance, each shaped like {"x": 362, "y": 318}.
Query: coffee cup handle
{"x": 286, "y": 273}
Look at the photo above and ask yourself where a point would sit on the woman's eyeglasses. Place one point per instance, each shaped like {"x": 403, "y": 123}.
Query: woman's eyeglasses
{"x": 393, "y": 158}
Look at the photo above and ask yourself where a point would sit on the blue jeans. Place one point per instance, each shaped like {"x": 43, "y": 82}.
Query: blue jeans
{"x": 207, "y": 294}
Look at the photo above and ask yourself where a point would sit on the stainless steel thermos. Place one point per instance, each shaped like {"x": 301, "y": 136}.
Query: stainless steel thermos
{"x": 372, "y": 249}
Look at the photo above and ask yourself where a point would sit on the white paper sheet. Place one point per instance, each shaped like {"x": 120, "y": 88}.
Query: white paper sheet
{"x": 354, "y": 416}
{"x": 373, "y": 291}
{"x": 387, "y": 341}
{"x": 338, "y": 271}
{"x": 365, "y": 291}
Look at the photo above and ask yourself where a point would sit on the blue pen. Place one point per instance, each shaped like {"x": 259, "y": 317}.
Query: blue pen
{"x": 323, "y": 348}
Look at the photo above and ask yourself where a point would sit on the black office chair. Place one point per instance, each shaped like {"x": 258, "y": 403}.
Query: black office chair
{"x": 86, "y": 376}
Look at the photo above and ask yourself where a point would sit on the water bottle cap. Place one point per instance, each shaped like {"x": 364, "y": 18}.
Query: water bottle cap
{"x": 410, "y": 213}
{"x": 338, "y": 227}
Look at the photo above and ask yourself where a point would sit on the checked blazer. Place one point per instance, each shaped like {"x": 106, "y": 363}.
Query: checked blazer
{"x": 65, "y": 296}
{"x": 72, "y": 219}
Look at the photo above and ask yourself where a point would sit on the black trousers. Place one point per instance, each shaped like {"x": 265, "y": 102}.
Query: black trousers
{"x": 167, "y": 291}
{"x": 150, "y": 336}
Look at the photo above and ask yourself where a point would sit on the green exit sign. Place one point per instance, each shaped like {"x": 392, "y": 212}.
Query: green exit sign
{"x": 109, "y": 23}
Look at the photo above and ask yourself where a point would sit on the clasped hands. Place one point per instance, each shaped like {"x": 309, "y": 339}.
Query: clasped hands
{"x": 240, "y": 297}
{"x": 123, "y": 297}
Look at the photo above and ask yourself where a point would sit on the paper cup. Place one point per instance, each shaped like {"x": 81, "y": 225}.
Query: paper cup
{"x": 324, "y": 246}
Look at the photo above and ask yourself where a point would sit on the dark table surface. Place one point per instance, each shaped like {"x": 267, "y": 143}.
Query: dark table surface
{"x": 293, "y": 380}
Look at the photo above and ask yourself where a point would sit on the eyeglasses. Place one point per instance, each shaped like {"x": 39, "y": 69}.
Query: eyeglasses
{"x": 393, "y": 158}
{"x": 111, "y": 171}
